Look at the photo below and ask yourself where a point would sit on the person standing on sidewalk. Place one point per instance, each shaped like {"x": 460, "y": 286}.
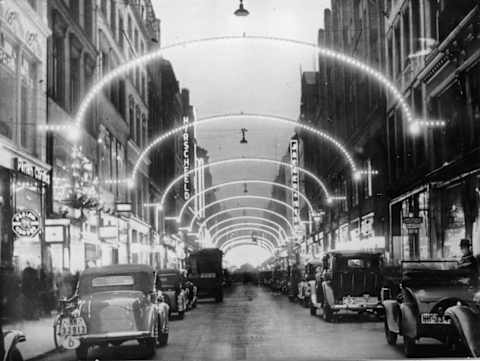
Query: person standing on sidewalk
{"x": 30, "y": 284}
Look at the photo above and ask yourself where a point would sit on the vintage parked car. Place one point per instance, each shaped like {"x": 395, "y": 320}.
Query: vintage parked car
{"x": 169, "y": 283}
{"x": 351, "y": 282}
{"x": 466, "y": 320}
{"x": 428, "y": 289}
{"x": 117, "y": 303}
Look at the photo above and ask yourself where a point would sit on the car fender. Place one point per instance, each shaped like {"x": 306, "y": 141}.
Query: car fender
{"x": 392, "y": 313}
{"x": 328, "y": 293}
{"x": 467, "y": 323}
{"x": 408, "y": 323}
{"x": 10, "y": 340}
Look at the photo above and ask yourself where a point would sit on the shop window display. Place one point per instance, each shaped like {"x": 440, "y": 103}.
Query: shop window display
{"x": 27, "y": 195}
{"x": 454, "y": 222}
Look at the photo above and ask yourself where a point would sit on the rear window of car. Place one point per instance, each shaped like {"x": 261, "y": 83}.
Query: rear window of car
{"x": 110, "y": 281}
{"x": 356, "y": 263}
{"x": 167, "y": 280}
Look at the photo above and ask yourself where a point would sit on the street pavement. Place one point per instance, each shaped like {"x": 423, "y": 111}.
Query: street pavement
{"x": 39, "y": 335}
{"x": 255, "y": 324}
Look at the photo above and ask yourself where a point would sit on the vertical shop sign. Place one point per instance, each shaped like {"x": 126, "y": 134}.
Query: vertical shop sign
{"x": 295, "y": 182}
{"x": 186, "y": 159}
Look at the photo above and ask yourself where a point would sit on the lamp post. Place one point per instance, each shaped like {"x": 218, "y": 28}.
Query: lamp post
{"x": 241, "y": 11}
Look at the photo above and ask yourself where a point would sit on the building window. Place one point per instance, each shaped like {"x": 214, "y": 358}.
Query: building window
{"x": 143, "y": 88}
{"x": 8, "y": 79}
{"x": 120, "y": 32}
{"x": 136, "y": 41}
{"x": 398, "y": 51}
{"x": 144, "y": 130}
{"x": 129, "y": 28}
{"x": 88, "y": 17}
{"x": 75, "y": 10}
{"x": 131, "y": 116}
{"x": 58, "y": 69}
{"x": 74, "y": 78}
{"x": 113, "y": 18}
{"x": 138, "y": 126}
{"x": 103, "y": 7}
{"x": 137, "y": 78}
{"x": 27, "y": 104}
{"x": 406, "y": 37}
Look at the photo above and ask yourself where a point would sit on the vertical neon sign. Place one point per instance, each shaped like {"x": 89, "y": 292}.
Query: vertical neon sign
{"x": 186, "y": 159}
{"x": 295, "y": 182}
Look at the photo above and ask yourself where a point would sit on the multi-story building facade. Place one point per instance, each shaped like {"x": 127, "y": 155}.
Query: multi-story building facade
{"x": 90, "y": 38}
{"x": 434, "y": 177}
{"x": 350, "y": 106}
{"x": 24, "y": 172}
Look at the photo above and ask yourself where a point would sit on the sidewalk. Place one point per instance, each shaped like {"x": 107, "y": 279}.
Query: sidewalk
{"x": 39, "y": 334}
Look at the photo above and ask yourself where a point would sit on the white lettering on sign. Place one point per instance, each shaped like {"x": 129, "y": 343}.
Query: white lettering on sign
{"x": 295, "y": 181}
{"x": 27, "y": 168}
{"x": 186, "y": 159}
{"x": 26, "y": 223}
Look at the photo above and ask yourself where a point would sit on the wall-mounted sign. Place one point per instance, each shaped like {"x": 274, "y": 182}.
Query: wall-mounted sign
{"x": 29, "y": 169}
{"x": 412, "y": 222}
{"x": 186, "y": 159}
{"x": 54, "y": 234}
{"x": 295, "y": 181}
{"x": 26, "y": 223}
{"x": 366, "y": 227}
{"x": 123, "y": 207}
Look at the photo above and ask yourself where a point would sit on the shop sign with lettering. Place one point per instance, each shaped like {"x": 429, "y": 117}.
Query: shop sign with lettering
{"x": 25, "y": 167}
{"x": 186, "y": 159}
{"x": 26, "y": 223}
{"x": 295, "y": 181}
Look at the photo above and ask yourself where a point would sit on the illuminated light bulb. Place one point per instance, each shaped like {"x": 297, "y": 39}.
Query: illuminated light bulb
{"x": 130, "y": 183}
{"x": 414, "y": 128}
{"x": 357, "y": 175}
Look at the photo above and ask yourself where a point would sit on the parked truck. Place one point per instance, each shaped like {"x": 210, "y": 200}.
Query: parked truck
{"x": 206, "y": 273}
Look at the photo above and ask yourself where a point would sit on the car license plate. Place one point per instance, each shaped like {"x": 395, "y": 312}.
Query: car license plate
{"x": 434, "y": 319}
{"x": 366, "y": 300}
{"x": 207, "y": 275}
{"x": 73, "y": 327}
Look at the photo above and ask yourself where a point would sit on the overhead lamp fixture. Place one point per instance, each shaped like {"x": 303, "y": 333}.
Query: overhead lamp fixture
{"x": 241, "y": 11}
{"x": 244, "y": 133}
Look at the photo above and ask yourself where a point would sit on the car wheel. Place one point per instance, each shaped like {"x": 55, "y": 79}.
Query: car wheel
{"x": 162, "y": 339}
{"x": 313, "y": 311}
{"x": 148, "y": 346}
{"x": 327, "y": 313}
{"x": 56, "y": 327}
{"x": 181, "y": 315}
{"x": 390, "y": 336}
{"x": 409, "y": 346}
{"x": 82, "y": 352}
{"x": 15, "y": 355}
